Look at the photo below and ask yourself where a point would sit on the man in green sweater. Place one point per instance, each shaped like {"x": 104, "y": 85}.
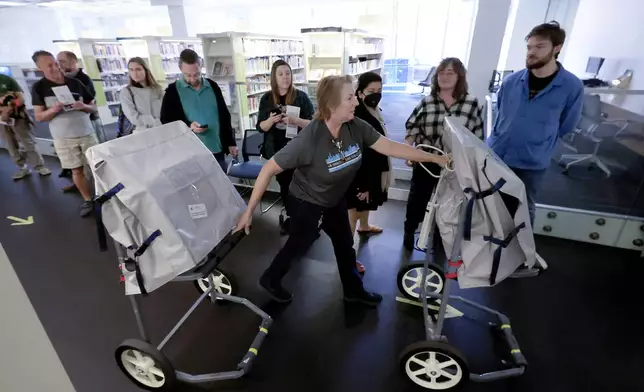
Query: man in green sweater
{"x": 199, "y": 103}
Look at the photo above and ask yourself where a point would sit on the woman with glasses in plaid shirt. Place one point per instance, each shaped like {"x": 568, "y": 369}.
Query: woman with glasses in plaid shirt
{"x": 448, "y": 97}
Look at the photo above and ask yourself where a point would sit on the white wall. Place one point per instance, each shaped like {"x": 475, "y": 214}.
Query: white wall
{"x": 527, "y": 14}
{"x": 27, "y": 29}
{"x": 25, "y": 32}
{"x": 612, "y": 30}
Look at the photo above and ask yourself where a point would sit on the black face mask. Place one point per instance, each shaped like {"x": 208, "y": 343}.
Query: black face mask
{"x": 372, "y": 100}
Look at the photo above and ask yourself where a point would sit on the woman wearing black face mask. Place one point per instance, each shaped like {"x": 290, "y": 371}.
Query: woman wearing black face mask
{"x": 369, "y": 189}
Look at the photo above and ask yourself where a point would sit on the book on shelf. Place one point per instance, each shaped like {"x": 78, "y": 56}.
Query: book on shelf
{"x": 223, "y": 68}
{"x": 267, "y": 46}
{"x": 173, "y": 49}
{"x": 108, "y": 50}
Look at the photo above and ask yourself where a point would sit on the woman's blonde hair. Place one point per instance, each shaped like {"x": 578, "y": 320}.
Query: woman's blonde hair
{"x": 149, "y": 79}
{"x": 328, "y": 94}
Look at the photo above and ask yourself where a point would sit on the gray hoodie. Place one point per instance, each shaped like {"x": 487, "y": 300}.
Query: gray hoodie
{"x": 145, "y": 111}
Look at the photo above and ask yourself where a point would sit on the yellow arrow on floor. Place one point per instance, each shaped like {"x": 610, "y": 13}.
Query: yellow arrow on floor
{"x": 20, "y": 221}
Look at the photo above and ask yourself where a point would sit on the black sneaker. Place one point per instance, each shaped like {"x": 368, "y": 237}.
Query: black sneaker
{"x": 86, "y": 208}
{"x": 65, "y": 173}
{"x": 364, "y": 298}
{"x": 275, "y": 291}
{"x": 409, "y": 241}
{"x": 285, "y": 226}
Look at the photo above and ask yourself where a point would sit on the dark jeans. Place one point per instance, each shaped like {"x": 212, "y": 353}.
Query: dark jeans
{"x": 221, "y": 160}
{"x": 304, "y": 228}
{"x": 284, "y": 180}
{"x": 422, "y": 186}
{"x": 532, "y": 181}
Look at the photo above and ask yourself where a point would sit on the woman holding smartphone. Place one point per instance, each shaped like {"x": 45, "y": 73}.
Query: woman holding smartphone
{"x": 272, "y": 121}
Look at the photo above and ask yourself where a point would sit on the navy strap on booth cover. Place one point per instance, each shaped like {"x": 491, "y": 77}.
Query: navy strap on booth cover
{"x": 467, "y": 228}
{"x": 502, "y": 243}
{"x": 134, "y": 263}
{"x": 98, "y": 203}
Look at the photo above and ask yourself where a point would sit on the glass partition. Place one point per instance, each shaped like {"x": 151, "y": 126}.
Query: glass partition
{"x": 593, "y": 188}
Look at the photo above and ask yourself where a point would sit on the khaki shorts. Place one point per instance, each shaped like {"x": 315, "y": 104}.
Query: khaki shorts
{"x": 71, "y": 151}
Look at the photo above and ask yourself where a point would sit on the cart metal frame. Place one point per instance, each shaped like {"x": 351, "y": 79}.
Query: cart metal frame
{"x": 204, "y": 270}
{"x": 434, "y": 330}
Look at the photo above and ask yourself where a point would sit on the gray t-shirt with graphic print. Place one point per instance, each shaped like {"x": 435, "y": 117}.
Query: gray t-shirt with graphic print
{"x": 325, "y": 167}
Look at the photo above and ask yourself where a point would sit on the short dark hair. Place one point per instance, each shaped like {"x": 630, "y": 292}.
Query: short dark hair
{"x": 40, "y": 53}
{"x": 461, "y": 84}
{"x": 70, "y": 55}
{"x": 366, "y": 79}
{"x": 550, "y": 31}
{"x": 188, "y": 56}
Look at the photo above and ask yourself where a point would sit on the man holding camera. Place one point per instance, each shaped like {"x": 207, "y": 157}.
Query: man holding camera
{"x": 15, "y": 129}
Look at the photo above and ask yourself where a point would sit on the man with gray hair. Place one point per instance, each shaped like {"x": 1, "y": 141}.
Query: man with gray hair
{"x": 68, "y": 62}
{"x": 199, "y": 103}
{"x": 69, "y": 123}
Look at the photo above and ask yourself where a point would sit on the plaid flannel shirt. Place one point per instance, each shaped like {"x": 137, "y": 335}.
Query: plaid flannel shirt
{"x": 425, "y": 124}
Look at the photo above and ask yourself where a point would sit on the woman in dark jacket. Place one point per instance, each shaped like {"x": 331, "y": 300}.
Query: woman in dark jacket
{"x": 369, "y": 188}
{"x": 272, "y": 120}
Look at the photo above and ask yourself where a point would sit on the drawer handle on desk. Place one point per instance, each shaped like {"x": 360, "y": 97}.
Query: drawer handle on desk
{"x": 552, "y": 215}
{"x": 600, "y": 221}
{"x": 594, "y": 236}
{"x": 547, "y": 228}
{"x": 638, "y": 242}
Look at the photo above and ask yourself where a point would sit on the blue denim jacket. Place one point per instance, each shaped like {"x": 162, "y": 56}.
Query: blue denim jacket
{"x": 526, "y": 130}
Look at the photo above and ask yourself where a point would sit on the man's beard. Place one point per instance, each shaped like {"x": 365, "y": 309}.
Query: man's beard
{"x": 540, "y": 62}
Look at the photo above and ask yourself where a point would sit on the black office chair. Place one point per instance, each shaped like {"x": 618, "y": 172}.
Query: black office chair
{"x": 247, "y": 171}
{"x": 428, "y": 80}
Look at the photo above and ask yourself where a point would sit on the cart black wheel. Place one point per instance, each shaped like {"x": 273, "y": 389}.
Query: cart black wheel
{"x": 146, "y": 366}
{"x": 409, "y": 280}
{"x": 434, "y": 365}
{"x": 224, "y": 284}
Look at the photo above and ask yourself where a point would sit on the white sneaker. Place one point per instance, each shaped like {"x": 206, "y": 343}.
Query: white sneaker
{"x": 22, "y": 173}
{"x": 43, "y": 171}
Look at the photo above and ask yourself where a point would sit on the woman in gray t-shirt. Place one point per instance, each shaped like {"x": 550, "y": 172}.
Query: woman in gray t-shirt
{"x": 326, "y": 156}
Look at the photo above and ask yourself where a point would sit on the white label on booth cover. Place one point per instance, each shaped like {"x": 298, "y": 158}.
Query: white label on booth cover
{"x": 197, "y": 211}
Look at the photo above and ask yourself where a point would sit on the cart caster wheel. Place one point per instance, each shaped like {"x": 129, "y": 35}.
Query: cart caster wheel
{"x": 224, "y": 284}
{"x": 410, "y": 275}
{"x": 146, "y": 366}
{"x": 434, "y": 365}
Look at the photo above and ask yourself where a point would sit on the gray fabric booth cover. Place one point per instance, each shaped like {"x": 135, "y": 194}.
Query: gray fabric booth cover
{"x": 163, "y": 181}
{"x": 499, "y": 224}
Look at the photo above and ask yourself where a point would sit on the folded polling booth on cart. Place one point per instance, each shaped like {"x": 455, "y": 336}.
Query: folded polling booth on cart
{"x": 162, "y": 187}
{"x": 497, "y": 236}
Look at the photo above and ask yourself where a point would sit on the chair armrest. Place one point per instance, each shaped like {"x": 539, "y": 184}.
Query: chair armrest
{"x": 619, "y": 122}
{"x": 615, "y": 121}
